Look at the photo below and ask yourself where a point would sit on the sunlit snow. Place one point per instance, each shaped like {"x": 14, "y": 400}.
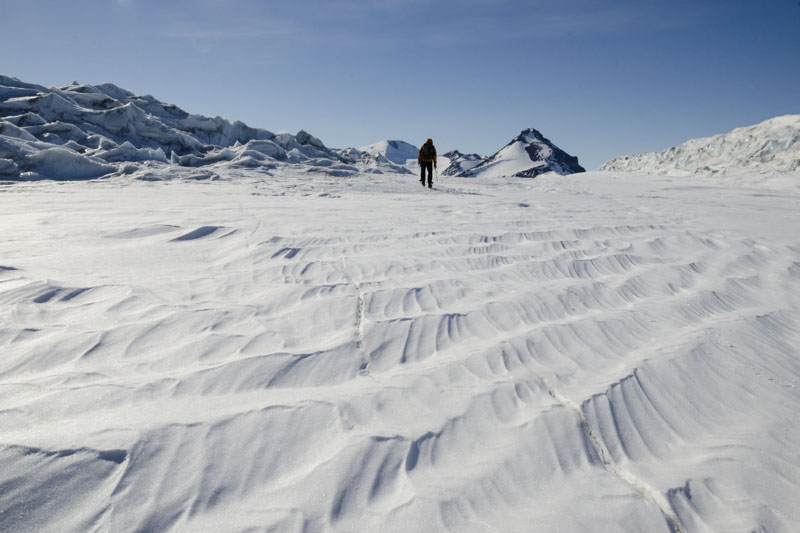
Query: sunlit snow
{"x": 267, "y": 334}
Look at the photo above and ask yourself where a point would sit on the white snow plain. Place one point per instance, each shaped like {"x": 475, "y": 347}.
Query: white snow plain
{"x": 301, "y": 352}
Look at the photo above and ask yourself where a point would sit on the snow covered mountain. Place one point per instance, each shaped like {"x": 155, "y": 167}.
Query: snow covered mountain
{"x": 458, "y": 163}
{"x": 383, "y": 156}
{"x": 83, "y": 131}
{"x": 528, "y": 155}
{"x": 773, "y": 146}
{"x": 398, "y": 152}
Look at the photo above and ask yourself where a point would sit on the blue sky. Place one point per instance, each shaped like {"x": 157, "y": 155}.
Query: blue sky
{"x": 600, "y": 79}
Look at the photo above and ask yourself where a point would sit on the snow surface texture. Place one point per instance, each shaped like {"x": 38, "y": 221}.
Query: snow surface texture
{"x": 528, "y": 155}
{"x": 83, "y": 131}
{"x": 769, "y": 148}
{"x": 280, "y": 351}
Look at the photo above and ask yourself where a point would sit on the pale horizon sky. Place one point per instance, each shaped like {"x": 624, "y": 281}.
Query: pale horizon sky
{"x": 599, "y": 79}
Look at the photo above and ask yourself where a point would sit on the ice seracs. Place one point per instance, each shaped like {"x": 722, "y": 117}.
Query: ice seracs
{"x": 773, "y": 146}
{"x": 84, "y": 131}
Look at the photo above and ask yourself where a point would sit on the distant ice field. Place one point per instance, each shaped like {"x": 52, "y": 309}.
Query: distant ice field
{"x": 301, "y": 352}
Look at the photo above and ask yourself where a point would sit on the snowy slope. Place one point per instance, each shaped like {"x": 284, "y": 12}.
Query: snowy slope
{"x": 456, "y": 163}
{"x": 299, "y": 352}
{"x": 398, "y": 152}
{"x": 527, "y": 155}
{"x": 772, "y": 146}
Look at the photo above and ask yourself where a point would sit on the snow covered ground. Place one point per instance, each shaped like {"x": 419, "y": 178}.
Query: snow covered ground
{"x": 301, "y": 352}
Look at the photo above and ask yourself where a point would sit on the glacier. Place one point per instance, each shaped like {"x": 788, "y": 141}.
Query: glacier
{"x": 771, "y": 148}
{"x": 82, "y": 131}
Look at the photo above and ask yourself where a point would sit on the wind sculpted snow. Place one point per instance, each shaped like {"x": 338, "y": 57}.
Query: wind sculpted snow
{"x": 305, "y": 353}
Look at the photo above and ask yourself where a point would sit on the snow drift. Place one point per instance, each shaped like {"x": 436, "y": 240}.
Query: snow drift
{"x": 306, "y": 353}
{"x": 770, "y": 147}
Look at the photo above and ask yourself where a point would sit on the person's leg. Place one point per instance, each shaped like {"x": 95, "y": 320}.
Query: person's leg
{"x": 430, "y": 174}
{"x": 422, "y": 173}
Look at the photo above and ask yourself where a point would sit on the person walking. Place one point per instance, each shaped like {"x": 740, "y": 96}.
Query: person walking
{"x": 427, "y": 160}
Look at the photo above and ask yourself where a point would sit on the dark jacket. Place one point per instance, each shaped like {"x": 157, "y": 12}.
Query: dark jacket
{"x": 427, "y": 154}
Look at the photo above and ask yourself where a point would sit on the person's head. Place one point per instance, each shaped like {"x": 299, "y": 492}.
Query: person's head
{"x": 429, "y": 141}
